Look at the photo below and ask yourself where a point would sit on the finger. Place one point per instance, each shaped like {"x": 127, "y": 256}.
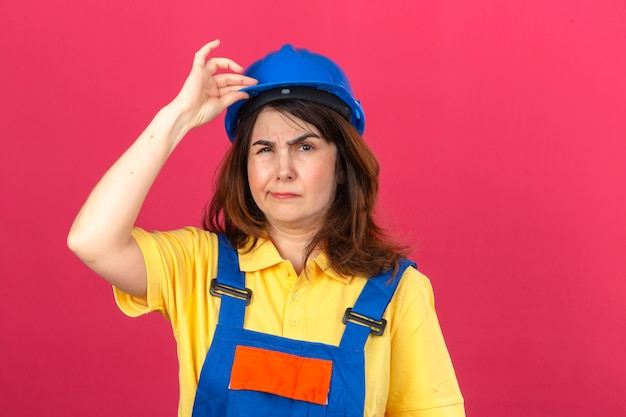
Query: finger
{"x": 228, "y": 79}
{"x": 201, "y": 55}
{"x": 229, "y": 89}
{"x": 214, "y": 64}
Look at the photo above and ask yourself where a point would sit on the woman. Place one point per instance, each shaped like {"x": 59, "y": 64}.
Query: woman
{"x": 316, "y": 312}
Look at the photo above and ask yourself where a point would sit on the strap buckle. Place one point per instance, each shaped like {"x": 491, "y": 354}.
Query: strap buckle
{"x": 377, "y": 328}
{"x": 218, "y": 290}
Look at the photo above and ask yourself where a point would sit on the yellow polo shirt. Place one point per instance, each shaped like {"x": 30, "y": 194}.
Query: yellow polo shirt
{"x": 408, "y": 369}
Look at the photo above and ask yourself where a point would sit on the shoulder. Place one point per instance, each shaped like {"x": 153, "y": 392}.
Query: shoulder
{"x": 414, "y": 296}
{"x": 414, "y": 283}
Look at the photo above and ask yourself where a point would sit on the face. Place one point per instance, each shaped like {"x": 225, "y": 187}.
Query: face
{"x": 291, "y": 171}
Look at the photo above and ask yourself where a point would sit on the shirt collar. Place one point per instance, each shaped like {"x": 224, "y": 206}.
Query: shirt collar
{"x": 264, "y": 255}
{"x": 261, "y": 256}
{"x": 323, "y": 263}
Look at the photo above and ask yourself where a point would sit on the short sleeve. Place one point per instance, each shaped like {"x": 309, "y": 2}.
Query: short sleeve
{"x": 422, "y": 379}
{"x": 174, "y": 262}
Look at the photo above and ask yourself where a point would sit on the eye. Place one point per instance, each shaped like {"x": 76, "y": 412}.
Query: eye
{"x": 264, "y": 149}
{"x": 306, "y": 147}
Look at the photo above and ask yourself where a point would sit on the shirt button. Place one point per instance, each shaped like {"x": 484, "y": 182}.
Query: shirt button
{"x": 297, "y": 296}
{"x": 294, "y": 322}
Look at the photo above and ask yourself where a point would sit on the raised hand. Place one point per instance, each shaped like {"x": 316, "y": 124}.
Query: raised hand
{"x": 206, "y": 93}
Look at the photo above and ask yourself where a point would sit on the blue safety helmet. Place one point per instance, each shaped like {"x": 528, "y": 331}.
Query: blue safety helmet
{"x": 296, "y": 74}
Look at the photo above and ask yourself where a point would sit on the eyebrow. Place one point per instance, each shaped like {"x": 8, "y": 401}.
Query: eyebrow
{"x": 295, "y": 141}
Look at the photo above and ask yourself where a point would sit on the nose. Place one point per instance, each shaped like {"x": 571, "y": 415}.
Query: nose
{"x": 285, "y": 169}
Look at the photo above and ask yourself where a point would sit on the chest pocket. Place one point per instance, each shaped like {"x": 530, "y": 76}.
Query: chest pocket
{"x": 282, "y": 374}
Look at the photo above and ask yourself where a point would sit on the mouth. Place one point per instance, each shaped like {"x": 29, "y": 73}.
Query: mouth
{"x": 283, "y": 196}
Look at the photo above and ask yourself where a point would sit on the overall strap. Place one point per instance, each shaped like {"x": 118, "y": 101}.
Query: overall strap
{"x": 230, "y": 285}
{"x": 366, "y": 317}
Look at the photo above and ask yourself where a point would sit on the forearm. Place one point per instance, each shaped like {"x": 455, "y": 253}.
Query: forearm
{"x": 104, "y": 223}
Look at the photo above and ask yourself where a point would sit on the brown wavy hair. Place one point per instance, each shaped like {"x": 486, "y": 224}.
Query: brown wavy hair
{"x": 351, "y": 239}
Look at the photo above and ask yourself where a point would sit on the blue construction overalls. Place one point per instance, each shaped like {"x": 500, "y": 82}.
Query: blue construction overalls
{"x": 311, "y": 379}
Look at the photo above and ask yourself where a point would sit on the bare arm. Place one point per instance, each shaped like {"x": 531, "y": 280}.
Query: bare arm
{"x": 101, "y": 233}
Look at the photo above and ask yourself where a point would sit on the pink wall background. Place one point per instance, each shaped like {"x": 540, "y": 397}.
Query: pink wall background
{"x": 501, "y": 130}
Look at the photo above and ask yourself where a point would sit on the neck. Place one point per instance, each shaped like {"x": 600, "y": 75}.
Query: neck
{"x": 291, "y": 245}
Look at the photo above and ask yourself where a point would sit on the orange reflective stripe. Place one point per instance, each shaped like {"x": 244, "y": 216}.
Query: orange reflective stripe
{"x": 291, "y": 376}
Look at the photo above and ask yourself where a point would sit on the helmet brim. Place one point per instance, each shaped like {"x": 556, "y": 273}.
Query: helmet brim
{"x": 334, "y": 96}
